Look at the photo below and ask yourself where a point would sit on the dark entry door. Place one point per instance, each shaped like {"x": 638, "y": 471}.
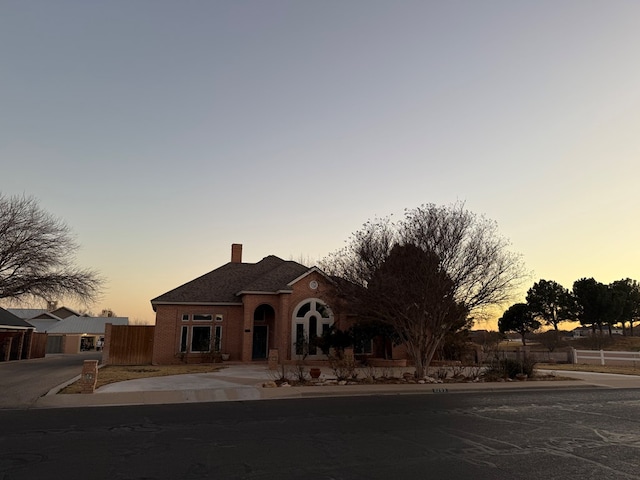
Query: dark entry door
{"x": 260, "y": 339}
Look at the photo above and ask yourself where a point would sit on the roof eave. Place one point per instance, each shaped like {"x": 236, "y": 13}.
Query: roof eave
{"x": 309, "y": 272}
{"x": 259, "y": 292}
{"x": 221, "y": 304}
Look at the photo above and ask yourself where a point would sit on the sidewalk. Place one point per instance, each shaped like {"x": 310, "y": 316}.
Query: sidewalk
{"x": 244, "y": 382}
{"x": 606, "y": 380}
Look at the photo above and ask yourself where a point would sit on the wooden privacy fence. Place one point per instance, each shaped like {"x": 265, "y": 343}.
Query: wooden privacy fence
{"x": 38, "y": 345}
{"x": 128, "y": 344}
{"x": 603, "y": 357}
{"x": 22, "y": 345}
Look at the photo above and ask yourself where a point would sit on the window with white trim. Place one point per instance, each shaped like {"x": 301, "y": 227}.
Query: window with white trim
{"x": 311, "y": 318}
{"x": 184, "y": 339}
{"x": 217, "y": 338}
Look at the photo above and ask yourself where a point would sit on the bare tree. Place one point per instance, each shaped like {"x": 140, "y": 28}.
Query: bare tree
{"x": 141, "y": 321}
{"x": 415, "y": 295}
{"x": 37, "y": 255}
{"x": 425, "y": 274}
{"x": 472, "y": 252}
{"x": 304, "y": 259}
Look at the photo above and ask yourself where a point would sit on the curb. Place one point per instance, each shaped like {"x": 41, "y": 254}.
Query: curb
{"x": 62, "y": 386}
{"x": 251, "y": 393}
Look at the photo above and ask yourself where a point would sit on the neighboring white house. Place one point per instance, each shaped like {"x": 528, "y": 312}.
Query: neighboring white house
{"x": 70, "y": 332}
{"x": 581, "y": 332}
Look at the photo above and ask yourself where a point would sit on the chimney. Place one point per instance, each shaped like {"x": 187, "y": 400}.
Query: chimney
{"x": 236, "y": 253}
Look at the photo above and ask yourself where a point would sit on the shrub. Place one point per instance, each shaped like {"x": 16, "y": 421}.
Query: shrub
{"x": 343, "y": 368}
{"x": 509, "y": 368}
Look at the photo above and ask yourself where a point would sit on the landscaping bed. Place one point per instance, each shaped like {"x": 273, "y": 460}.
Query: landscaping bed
{"x": 298, "y": 376}
{"x": 120, "y": 373}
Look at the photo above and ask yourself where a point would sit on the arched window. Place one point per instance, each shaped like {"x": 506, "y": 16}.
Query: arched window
{"x": 311, "y": 318}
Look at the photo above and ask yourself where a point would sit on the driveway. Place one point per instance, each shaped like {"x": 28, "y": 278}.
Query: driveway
{"x": 22, "y": 382}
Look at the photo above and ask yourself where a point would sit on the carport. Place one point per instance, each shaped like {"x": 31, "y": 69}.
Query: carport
{"x": 16, "y": 337}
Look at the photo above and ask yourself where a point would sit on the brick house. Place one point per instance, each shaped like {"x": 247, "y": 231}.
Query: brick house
{"x": 245, "y": 310}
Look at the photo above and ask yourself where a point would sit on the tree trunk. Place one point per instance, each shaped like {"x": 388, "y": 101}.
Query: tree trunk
{"x": 423, "y": 355}
{"x": 420, "y": 367}
{"x": 431, "y": 352}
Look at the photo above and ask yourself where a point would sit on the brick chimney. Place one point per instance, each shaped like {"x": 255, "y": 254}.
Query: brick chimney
{"x": 236, "y": 253}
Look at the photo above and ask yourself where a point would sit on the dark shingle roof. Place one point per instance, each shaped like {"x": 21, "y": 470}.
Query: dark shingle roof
{"x": 8, "y": 319}
{"x": 222, "y": 285}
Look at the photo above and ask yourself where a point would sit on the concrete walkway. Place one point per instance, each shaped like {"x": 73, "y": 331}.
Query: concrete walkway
{"x": 606, "y": 380}
{"x": 244, "y": 382}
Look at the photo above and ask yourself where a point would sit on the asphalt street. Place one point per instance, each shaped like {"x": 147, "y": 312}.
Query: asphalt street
{"x": 553, "y": 434}
{"x": 23, "y": 382}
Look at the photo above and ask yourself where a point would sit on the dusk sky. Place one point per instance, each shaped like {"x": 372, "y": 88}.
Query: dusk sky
{"x": 164, "y": 131}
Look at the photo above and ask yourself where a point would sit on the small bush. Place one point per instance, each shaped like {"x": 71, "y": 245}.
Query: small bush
{"x": 509, "y": 368}
{"x": 343, "y": 368}
{"x": 512, "y": 367}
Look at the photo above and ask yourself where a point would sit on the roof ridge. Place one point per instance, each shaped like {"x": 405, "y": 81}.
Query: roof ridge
{"x": 270, "y": 274}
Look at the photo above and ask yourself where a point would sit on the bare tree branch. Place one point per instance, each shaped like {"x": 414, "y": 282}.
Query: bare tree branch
{"x": 426, "y": 274}
{"x": 37, "y": 253}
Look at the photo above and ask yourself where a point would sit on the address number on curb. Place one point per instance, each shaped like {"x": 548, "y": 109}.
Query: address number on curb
{"x": 440, "y": 390}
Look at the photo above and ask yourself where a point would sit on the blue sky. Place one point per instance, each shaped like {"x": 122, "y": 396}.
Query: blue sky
{"x": 164, "y": 131}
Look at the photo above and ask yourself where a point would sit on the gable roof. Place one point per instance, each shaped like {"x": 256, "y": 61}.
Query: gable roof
{"x": 45, "y": 316}
{"x": 64, "y": 312}
{"x": 27, "y": 313}
{"x": 9, "y": 320}
{"x": 309, "y": 272}
{"x": 80, "y": 325}
{"x": 227, "y": 283}
{"x": 43, "y": 325}
{"x": 43, "y": 313}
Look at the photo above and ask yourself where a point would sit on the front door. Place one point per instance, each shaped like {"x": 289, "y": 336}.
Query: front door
{"x": 260, "y": 340}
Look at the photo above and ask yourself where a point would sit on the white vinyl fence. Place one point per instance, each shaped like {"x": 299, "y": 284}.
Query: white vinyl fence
{"x": 603, "y": 357}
